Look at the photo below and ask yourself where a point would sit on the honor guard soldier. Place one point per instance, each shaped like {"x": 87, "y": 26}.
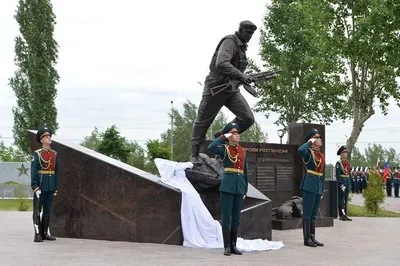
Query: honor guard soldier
{"x": 44, "y": 182}
{"x": 353, "y": 180}
{"x": 234, "y": 183}
{"x": 389, "y": 183}
{"x": 396, "y": 182}
{"x": 312, "y": 185}
{"x": 344, "y": 182}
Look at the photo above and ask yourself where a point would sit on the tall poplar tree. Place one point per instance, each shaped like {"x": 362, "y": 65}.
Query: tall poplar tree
{"x": 34, "y": 81}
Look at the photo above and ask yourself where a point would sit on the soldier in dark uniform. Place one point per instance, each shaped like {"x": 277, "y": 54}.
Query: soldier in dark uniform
{"x": 44, "y": 182}
{"x": 389, "y": 182}
{"x": 353, "y": 180}
{"x": 228, "y": 63}
{"x": 234, "y": 183}
{"x": 396, "y": 182}
{"x": 344, "y": 182}
{"x": 312, "y": 185}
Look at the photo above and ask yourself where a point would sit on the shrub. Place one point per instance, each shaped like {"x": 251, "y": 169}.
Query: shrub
{"x": 23, "y": 203}
{"x": 374, "y": 194}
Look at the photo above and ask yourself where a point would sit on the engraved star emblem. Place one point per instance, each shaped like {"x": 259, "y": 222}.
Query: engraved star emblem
{"x": 22, "y": 170}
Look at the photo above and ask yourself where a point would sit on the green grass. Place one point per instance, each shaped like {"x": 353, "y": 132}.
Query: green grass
{"x": 12, "y": 204}
{"x": 359, "y": 211}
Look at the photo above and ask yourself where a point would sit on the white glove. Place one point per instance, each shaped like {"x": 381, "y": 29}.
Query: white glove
{"x": 38, "y": 193}
{"x": 55, "y": 194}
{"x": 227, "y": 135}
{"x": 342, "y": 188}
{"x": 312, "y": 140}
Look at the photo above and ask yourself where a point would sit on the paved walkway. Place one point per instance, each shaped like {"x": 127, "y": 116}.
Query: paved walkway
{"x": 361, "y": 242}
{"x": 390, "y": 204}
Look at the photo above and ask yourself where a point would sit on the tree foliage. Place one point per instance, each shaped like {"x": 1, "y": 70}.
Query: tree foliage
{"x": 34, "y": 81}
{"x": 295, "y": 39}
{"x": 365, "y": 34}
{"x": 12, "y": 154}
{"x": 372, "y": 153}
{"x": 183, "y": 126}
{"x": 111, "y": 143}
{"x": 374, "y": 194}
{"x": 339, "y": 60}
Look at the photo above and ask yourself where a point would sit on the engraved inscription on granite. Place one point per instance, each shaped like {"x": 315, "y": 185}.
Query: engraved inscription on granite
{"x": 265, "y": 177}
{"x": 284, "y": 176}
{"x": 252, "y": 173}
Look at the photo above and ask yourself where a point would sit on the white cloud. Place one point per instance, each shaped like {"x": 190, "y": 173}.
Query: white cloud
{"x": 122, "y": 62}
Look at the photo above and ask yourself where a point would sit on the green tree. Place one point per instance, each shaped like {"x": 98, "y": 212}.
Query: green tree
{"x": 183, "y": 126}
{"x": 137, "y": 157}
{"x": 254, "y": 134}
{"x": 93, "y": 141}
{"x": 34, "y": 81}
{"x": 374, "y": 194}
{"x": 12, "y": 154}
{"x": 358, "y": 159}
{"x": 365, "y": 36}
{"x": 156, "y": 149}
{"x": 375, "y": 151}
{"x": 294, "y": 39}
{"x": 111, "y": 143}
{"x": 114, "y": 145}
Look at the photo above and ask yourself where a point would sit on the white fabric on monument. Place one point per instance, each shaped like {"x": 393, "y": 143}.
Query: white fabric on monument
{"x": 199, "y": 228}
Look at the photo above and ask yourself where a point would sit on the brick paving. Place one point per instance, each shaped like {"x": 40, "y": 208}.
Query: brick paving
{"x": 361, "y": 242}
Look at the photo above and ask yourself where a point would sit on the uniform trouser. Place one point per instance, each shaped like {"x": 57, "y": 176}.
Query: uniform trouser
{"x": 45, "y": 201}
{"x": 211, "y": 105}
{"x": 343, "y": 197}
{"x": 396, "y": 190}
{"x": 353, "y": 186}
{"x": 388, "y": 189}
{"x": 311, "y": 203}
{"x": 231, "y": 205}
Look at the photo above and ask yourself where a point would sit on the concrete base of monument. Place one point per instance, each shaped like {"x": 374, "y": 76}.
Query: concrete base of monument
{"x": 296, "y": 223}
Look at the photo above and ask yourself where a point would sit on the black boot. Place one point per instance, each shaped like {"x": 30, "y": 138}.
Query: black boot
{"x": 45, "y": 229}
{"x": 342, "y": 214}
{"x": 226, "y": 232}
{"x": 38, "y": 235}
{"x": 306, "y": 234}
{"x": 312, "y": 234}
{"x": 234, "y": 234}
{"x": 194, "y": 157}
{"x": 345, "y": 215}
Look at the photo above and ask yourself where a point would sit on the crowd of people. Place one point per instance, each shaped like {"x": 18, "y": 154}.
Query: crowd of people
{"x": 359, "y": 180}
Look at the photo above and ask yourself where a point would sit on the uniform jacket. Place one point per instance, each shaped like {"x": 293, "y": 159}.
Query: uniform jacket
{"x": 44, "y": 170}
{"x": 314, "y": 161}
{"x": 234, "y": 179}
{"x": 343, "y": 174}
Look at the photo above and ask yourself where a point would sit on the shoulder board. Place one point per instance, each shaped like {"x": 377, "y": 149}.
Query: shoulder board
{"x": 38, "y": 150}
{"x": 53, "y": 151}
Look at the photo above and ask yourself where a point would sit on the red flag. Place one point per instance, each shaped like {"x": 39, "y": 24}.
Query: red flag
{"x": 385, "y": 171}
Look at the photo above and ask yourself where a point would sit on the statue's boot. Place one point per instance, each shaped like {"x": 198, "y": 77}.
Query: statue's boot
{"x": 194, "y": 157}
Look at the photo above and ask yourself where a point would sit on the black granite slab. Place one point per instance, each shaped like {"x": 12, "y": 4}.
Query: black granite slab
{"x": 296, "y": 223}
{"x": 102, "y": 198}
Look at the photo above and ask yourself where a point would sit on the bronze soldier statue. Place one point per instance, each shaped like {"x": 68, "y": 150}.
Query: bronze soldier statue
{"x": 228, "y": 63}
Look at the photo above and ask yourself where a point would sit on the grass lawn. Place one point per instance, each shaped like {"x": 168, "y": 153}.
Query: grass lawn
{"x": 12, "y": 204}
{"x": 359, "y": 211}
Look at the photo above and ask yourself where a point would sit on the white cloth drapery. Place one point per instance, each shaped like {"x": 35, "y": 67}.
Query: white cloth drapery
{"x": 200, "y": 230}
